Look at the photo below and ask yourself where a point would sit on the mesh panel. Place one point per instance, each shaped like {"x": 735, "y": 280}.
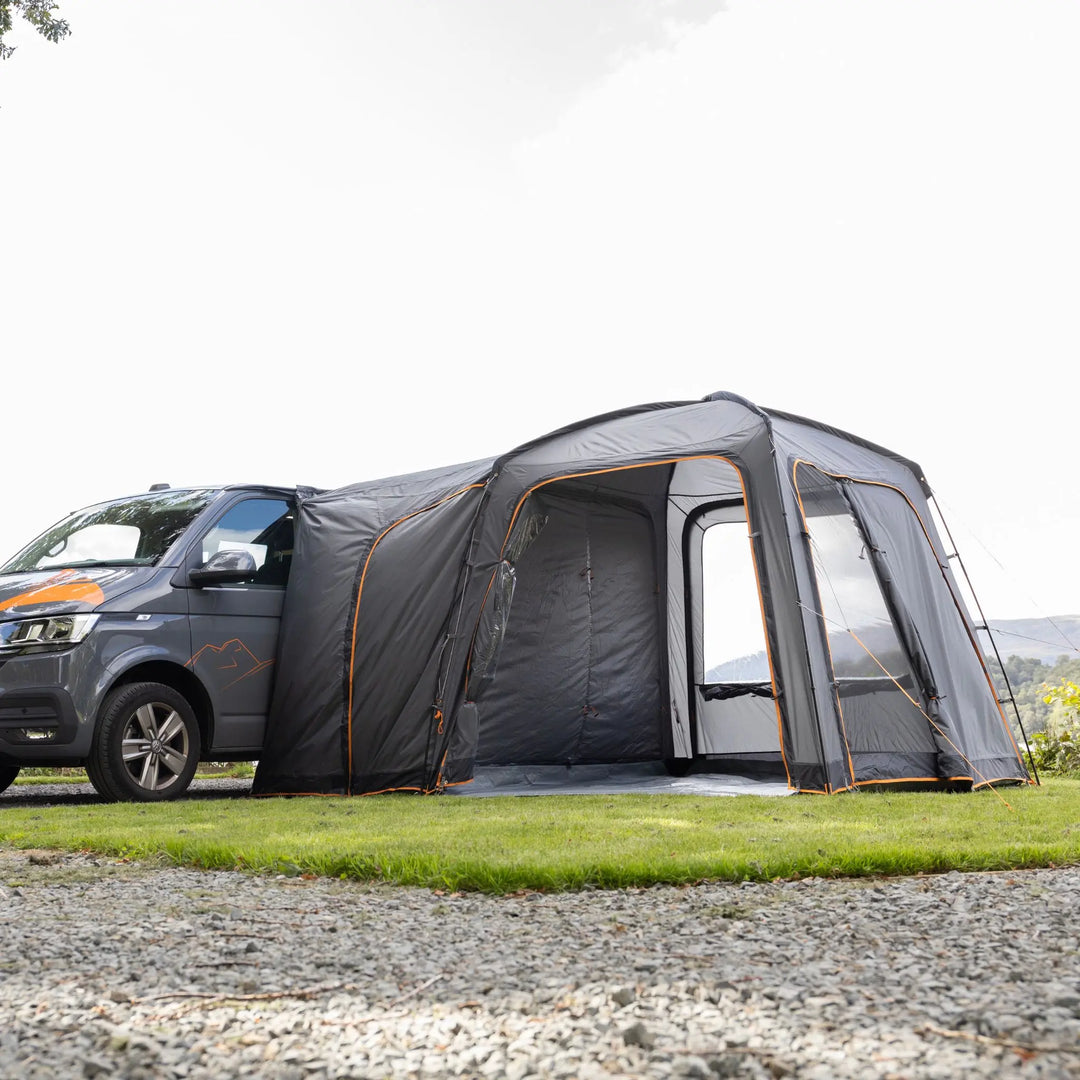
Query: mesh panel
{"x": 873, "y": 673}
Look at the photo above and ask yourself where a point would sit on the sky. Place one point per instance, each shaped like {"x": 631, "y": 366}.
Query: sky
{"x": 326, "y": 242}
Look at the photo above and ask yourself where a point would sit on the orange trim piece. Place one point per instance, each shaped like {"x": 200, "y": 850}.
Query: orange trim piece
{"x": 1000, "y": 779}
{"x": 601, "y": 472}
{"x": 950, "y": 779}
{"x": 914, "y": 780}
{"x": 356, "y": 613}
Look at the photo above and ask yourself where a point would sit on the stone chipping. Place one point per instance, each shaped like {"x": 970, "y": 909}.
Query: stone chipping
{"x": 117, "y": 969}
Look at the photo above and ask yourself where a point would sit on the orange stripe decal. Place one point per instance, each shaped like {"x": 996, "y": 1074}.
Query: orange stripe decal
{"x": 54, "y": 592}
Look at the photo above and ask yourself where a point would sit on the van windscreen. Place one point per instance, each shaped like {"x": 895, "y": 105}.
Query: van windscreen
{"x": 129, "y": 532}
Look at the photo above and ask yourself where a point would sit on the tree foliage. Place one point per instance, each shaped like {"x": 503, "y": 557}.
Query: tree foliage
{"x": 1057, "y": 749}
{"x": 1031, "y": 682}
{"x": 39, "y": 13}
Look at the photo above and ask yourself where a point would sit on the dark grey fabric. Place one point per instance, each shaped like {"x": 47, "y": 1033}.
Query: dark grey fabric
{"x": 578, "y": 679}
{"x": 800, "y": 444}
{"x": 896, "y": 766}
{"x": 813, "y": 749}
{"x": 306, "y": 746}
{"x": 739, "y": 724}
{"x": 884, "y": 721}
{"x": 403, "y": 625}
{"x": 524, "y": 610}
{"x": 695, "y": 482}
{"x": 970, "y": 724}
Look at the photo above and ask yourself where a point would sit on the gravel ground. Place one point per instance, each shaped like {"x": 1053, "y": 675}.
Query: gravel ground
{"x": 119, "y": 969}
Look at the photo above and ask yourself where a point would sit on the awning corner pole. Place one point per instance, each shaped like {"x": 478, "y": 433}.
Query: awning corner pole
{"x": 984, "y": 625}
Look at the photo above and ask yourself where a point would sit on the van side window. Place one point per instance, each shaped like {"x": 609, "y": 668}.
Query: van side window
{"x": 262, "y": 526}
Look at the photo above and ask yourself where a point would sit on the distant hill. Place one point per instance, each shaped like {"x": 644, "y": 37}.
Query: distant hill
{"x": 1045, "y": 640}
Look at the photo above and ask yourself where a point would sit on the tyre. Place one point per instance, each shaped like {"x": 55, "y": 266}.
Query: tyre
{"x": 7, "y": 776}
{"x": 146, "y": 747}
{"x": 94, "y": 775}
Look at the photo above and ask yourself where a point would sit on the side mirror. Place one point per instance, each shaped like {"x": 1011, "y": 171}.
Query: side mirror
{"x": 225, "y": 568}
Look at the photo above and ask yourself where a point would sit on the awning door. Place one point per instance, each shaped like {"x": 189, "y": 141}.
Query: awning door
{"x": 732, "y": 692}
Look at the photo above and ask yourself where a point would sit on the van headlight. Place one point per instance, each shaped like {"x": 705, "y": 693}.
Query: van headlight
{"x": 44, "y": 635}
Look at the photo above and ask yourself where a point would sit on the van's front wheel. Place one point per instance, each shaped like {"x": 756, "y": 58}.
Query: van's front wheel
{"x": 146, "y": 747}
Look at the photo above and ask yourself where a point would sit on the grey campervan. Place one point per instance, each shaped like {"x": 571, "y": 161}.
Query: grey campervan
{"x": 138, "y": 637}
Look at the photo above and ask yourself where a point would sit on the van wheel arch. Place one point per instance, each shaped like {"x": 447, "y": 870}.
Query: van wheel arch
{"x": 182, "y": 680}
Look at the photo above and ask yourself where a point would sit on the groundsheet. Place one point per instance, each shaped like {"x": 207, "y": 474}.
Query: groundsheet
{"x": 638, "y": 779}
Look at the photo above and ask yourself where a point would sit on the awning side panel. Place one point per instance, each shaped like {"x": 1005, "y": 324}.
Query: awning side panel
{"x": 306, "y": 748}
{"x": 977, "y": 740}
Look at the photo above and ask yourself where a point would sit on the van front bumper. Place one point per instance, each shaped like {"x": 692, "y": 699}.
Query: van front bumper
{"x": 37, "y": 717}
{"x": 39, "y": 724}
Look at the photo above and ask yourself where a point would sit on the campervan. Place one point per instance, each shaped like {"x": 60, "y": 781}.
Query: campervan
{"x": 138, "y": 637}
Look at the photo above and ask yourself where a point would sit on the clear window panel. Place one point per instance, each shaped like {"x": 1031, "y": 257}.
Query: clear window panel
{"x": 733, "y": 633}
{"x": 862, "y": 638}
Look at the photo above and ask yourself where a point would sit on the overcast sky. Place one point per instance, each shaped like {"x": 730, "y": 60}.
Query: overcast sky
{"x": 325, "y": 242}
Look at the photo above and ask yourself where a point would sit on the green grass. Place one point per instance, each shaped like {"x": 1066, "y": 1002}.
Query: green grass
{"x": 237, "y": 770}
{"x": 47, "y": 776}
{"x": 507, "y": 844}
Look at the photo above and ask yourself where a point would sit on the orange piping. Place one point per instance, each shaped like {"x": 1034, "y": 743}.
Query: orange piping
{"x": 1000, "y": 779}
{"x": 945, "y": 780}
{"x": 915, "y": 780}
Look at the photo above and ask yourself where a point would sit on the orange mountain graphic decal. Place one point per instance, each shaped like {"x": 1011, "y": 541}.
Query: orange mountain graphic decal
{"x": 232, "y": 659}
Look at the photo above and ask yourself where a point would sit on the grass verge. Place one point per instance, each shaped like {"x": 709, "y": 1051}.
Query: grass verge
{"x": 507, "y": 844}
{"x": 239, "y": 770}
